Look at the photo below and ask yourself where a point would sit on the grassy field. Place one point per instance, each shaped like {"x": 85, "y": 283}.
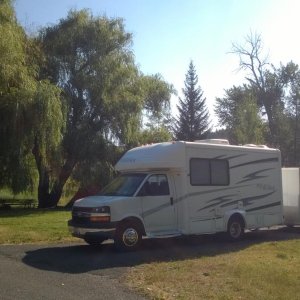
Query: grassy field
{"x": 19, "y": 226}
{"x": 269, "y": 270}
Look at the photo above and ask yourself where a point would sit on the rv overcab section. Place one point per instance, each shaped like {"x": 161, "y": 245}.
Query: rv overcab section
{"x": 186, "y": 188}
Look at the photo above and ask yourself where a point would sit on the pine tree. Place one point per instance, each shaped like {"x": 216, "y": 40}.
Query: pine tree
{"x": 193, "y": 121}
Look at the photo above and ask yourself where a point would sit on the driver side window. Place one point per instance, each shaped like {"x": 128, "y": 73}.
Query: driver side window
{"x": 156, "y": 185}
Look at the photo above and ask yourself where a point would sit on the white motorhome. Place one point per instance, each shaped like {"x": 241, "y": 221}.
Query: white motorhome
{"x": 184, "y": 188}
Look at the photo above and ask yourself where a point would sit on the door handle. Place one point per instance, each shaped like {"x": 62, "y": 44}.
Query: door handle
{"x": 171, "y": 199}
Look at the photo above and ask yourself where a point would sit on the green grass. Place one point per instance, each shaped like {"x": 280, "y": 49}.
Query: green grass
{"x": 18, "y": 226}
{"x": 269, "y": 270}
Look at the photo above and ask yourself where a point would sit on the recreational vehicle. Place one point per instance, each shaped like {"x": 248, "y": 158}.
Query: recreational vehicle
{"x": 184, "y": 188}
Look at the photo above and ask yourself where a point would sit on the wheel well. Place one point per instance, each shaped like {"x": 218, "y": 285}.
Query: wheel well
{"x": 136, "y": 221}
{"x": 237, "y": 216}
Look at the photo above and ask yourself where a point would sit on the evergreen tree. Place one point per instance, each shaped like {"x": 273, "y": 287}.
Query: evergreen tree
{"x": 193, "y": 121}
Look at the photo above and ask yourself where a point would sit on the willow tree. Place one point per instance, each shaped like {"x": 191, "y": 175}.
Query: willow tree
{"x": 91, "y": 60}
{"x": 30, "y": 109}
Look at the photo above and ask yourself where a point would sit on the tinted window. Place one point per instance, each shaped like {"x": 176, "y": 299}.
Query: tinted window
{"x": 209, "y": 171}
{"x": 219, "y": 172}
{"x": 200, "y": 171}
{"x": 156, "y": 185}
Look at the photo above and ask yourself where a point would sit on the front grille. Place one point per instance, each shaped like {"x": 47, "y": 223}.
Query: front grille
{"x": 81, "y": 215}
{"x": 83, "y": 209}
{"x": 79, "y": 220}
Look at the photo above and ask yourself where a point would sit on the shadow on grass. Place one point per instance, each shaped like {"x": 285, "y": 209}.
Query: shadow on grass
{"x": 85, "y": 258}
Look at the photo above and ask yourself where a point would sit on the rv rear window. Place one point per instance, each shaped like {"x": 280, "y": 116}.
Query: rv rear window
{"x": 209, "y": 171}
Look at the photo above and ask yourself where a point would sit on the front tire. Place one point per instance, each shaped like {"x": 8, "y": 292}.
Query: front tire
{"x": 128, "y": 236}
{"x": 235, "y": 229}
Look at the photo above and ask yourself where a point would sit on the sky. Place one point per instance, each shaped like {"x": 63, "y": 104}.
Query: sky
{"x": 167, "y": 35}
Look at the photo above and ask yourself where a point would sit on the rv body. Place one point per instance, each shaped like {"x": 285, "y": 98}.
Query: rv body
{"x": 185, "y": 188}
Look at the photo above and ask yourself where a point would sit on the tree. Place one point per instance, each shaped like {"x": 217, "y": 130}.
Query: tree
{"x": 193, "y": 121}
{"x": 90, "y": 59}
{"x": 154, "y": 134}
{"x": 239, "y": 113}
{"x": 250, "y": 129}
{"x": 265, "y": 80}
{"x": 29, "y": 108}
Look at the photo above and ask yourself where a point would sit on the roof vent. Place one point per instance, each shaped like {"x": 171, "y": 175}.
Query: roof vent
{"x": 213, "y": 141}
{"x": 256, "y": 146}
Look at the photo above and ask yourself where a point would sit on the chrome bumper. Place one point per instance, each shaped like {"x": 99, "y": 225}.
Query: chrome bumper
{"x": 92, "y": 230}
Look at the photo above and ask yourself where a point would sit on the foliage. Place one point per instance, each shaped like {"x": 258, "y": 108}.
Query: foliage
{"x": 250, "y": 129}
{"x": 29, "y": 109}
{"x": 154, "y": 135}
{"x": 193, "y": 121}
{"x": 90, "y": 59}
{"x": 274, "y": 90}
{"x": 239, "y": 113}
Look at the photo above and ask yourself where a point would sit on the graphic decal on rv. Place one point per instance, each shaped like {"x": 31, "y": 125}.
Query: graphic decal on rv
{"x": 155, "y": 209}
{"x": 274, "y": 159}
{"x": 254, "y": 176}
{"x": 218, "y": 201}
{"x": 224, "y": 156}
{"x": 264, "y": 206}
{"x": 248, "y": 200}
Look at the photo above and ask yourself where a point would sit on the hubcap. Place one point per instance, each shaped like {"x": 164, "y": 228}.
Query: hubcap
{"x": 235, "y": 230}
{"x": 130, "y": 237}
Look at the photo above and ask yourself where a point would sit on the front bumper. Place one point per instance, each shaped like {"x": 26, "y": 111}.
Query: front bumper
{"x": 105, "y": 230}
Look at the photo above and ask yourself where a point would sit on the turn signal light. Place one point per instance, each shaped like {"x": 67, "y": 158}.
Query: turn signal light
{"x": 100, "y": 218}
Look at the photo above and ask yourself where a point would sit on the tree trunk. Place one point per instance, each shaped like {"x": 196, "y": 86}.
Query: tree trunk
{"x": 47, "y": 198}
{"x": 59, "y": 184}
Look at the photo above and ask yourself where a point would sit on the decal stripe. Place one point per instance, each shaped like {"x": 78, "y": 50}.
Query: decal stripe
{"x": 218, "y": 200}
{"x": 247, "y": 201}
{"x": 274, "y": 159}
{"x": 254, "y": 175}
{"x": 264, "y": 206}
{"x": 155, "y": 209}
{"x": 229, "y": 157}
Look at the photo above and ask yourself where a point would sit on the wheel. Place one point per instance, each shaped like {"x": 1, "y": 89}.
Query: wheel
{"x": 128, "y": 236}
{"x": 235, "y": 228}
{"x": 94, "y": 241}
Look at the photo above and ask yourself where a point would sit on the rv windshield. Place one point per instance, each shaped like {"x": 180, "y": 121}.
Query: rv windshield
{"x": 124, "y": 185}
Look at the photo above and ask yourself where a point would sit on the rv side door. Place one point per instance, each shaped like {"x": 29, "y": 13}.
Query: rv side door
{"x": 157, "y": 197}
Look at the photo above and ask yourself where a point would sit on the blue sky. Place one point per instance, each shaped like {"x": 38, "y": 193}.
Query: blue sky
{"x": 168, "y": 34}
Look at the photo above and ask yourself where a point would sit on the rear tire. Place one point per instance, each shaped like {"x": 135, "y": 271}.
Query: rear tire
{"x": 128, "y": 236}
{"x": 235, "y": 228}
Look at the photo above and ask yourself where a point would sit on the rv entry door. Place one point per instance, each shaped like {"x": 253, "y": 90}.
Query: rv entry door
{"x": 157, "y": 196}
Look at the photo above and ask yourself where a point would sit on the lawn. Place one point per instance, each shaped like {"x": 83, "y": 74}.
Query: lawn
{"x": 269, "y": 270}
{"x": 19, "y": 226}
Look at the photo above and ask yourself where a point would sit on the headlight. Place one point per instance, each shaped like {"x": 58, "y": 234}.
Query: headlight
{"x": 100, "y": 214}
{"x": 102, "y": 209}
